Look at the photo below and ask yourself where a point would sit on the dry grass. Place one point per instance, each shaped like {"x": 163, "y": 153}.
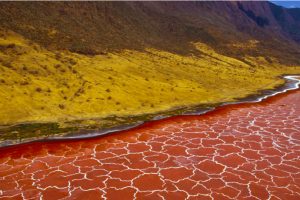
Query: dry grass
{"x": 41, "y": 85}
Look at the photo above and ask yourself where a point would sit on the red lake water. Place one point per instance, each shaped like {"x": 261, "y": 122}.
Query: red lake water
{"x": 244, "y": 151}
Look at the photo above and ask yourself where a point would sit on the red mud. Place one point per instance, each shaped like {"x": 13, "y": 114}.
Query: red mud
{"x": 247, "y": 151}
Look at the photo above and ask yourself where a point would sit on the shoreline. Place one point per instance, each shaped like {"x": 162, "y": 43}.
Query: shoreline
{"x": 292, "y": 82}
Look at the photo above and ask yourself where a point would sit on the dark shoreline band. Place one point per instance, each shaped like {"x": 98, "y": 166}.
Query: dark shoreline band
{"x": 292, "y": 82}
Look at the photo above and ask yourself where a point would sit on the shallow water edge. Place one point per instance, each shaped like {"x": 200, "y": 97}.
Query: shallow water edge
{"x": 32, "y": 132}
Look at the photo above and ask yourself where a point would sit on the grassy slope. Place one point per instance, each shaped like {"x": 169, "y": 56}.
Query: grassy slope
{"x": 41, "y": 85}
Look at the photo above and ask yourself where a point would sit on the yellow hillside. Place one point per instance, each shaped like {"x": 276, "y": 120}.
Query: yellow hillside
{"x": 40, "y": 85}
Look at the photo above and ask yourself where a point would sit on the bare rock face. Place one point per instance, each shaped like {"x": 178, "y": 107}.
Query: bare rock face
{"x": 97, "y": 27}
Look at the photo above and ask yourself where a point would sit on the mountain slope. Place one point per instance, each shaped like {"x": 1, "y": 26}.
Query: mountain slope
{"x": 98, "y": 27}
{"x": 90, "y": 63}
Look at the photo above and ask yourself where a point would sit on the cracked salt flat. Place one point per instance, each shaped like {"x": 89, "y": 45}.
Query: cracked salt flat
{"x": 245, "y": 151}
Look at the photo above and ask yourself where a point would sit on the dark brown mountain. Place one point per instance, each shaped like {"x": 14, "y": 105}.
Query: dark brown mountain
{"x": 99, "y": 27}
